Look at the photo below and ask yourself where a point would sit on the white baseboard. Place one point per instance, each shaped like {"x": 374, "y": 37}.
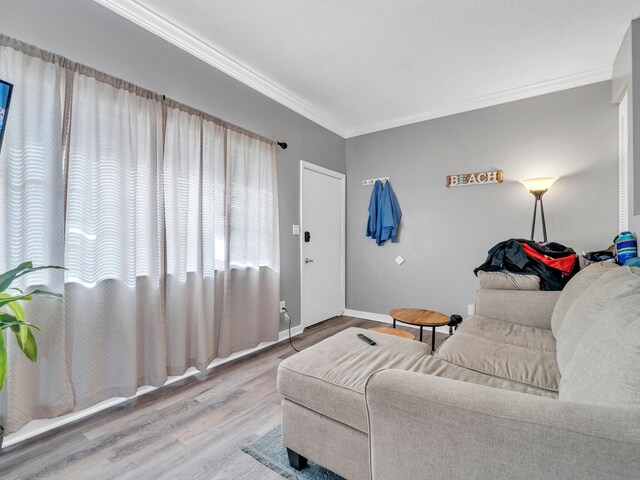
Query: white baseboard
{"x": 284, "y": 335}
{"x": 376, "y": 317}
{"x": 38, "y": 427}
{"x": 384, "y": 318}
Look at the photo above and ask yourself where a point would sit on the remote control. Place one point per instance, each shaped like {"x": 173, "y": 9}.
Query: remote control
{"x": 366, "y": 339}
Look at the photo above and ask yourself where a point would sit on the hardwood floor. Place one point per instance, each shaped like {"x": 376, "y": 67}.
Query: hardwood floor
{"x": 192, "y": 429}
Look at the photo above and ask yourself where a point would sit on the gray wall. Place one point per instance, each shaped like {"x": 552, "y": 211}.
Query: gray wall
{"x": 86, "y": 32}
{"x": 446, "y": 232}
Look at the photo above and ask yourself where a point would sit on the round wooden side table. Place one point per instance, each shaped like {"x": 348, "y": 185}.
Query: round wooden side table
{"x": 397, "y": 332}
{"x": 421, "y": 318}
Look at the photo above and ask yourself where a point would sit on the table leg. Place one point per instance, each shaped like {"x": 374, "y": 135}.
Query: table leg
{"x": 394, "y": 323}
{"x": 420, "y": 332}
{"x": 433, "y": 339}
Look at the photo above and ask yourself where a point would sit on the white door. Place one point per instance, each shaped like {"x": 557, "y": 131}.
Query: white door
{"x": 322, "y": 213}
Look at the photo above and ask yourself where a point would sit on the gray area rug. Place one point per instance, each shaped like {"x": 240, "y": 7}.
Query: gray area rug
{"x": 269, "y": 450}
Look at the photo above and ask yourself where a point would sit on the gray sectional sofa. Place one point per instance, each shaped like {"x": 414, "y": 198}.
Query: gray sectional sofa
{"x": 535, "y": 385}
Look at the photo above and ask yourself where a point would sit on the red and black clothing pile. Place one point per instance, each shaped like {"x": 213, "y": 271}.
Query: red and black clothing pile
{"x": 554, "y": 263}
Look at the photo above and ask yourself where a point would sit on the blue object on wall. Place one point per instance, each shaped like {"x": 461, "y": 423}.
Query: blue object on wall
{"x": 373, "y": 210}
{"x": 384, "y": 214}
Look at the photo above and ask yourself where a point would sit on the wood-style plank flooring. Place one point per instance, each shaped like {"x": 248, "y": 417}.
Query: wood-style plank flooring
{"x": 192, "y": 429}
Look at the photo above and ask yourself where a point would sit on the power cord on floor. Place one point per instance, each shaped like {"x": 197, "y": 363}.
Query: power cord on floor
{"x": 288, "y": 317}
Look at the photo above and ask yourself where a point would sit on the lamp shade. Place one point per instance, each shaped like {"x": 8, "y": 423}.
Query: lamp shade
{"x": 541, "y": 184}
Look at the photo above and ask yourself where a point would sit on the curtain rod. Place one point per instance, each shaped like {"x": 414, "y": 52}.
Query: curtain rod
{"x": 71, "y": 66}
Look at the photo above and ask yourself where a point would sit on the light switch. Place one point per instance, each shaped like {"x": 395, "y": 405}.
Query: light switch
{"x": 399, "y": 260}
{"x": 296, "y": 229}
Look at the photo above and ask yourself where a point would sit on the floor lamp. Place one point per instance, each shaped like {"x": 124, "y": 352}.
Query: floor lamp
{"x": 537, "y": 187}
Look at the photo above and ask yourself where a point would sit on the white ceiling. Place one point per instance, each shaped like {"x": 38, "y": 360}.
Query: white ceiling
{"x": 358, "y": 66}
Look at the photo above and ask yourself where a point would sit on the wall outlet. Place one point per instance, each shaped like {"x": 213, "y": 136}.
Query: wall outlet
{"x": 399, "y": 260}
{"x": 282, "y": 306}
{"x": 296, "y": 229}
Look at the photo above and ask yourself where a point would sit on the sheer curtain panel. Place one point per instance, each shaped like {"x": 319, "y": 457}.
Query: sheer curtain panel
{"x": 252, "y": 271}
{"x": 114, "y": 303}
{"x": 194, "y": 212}
{"x": 32, "y": 228}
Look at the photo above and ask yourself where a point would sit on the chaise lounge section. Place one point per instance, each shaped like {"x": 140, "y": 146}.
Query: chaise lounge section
{"x": 535, "y": 385}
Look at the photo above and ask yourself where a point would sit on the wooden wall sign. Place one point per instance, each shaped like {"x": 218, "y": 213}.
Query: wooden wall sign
{"x": 479, "y": 178}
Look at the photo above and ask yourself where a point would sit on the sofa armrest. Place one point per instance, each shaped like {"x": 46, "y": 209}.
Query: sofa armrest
{"x": 525, "y": 307}
{"x": 423, "y": 426}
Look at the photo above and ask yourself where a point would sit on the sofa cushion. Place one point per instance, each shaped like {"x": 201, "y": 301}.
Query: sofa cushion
{"x": 440, "y": 368}
{"x": 491, "y": 356}
{"x": 605, "y": 368}
{"x": 574, "y": 289}
{"x": 588, "y": 308}
{"x": 505, "y": 280}
{"x": 330, "y": 376}
{"x": 524, "y": 307}
{"x": 510, "y": 333}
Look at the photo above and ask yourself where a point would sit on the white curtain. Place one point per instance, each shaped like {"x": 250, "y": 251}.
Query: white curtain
{"x": 32, "y": 228}
{"x": 252, "y": 273}
{"x": 113, "y": 252}
{"x": 194, "y": 212}
{"x": 221, "y": 204}
{"x": 166, "y": 219}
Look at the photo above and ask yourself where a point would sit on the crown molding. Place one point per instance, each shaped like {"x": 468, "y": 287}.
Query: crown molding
{"x": 160, "y": 26}
{"x": 520, "y": 93}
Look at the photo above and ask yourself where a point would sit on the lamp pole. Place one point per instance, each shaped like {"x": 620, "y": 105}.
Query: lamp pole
{"x": 544, "y": 224}
{"x": 538, "y": 187}
{"x": 538, "y": 198}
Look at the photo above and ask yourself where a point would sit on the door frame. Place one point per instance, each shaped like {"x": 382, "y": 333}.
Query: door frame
{"x": 343, "y": 179}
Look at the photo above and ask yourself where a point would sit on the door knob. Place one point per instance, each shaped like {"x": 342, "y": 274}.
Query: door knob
{"x": 308, "y": 260}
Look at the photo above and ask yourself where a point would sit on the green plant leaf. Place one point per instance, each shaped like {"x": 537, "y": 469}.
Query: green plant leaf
{"x": 26, "y": 342}
{"x": 9, "y": 276}
{"x": 3, "y": 360}
{"x": 35, "y": 269}
{"x": 7, "y": 321}
{"x": 6, "y": 299}
{"x": 18, "y": 324}
{"x": 22, "y": 330}
{"x": 15, "y": 307}
{"x": 7, "y": 318}
{"x": 44, "y": 293}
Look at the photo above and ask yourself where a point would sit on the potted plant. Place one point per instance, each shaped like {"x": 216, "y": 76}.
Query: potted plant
{"x": 12, "y": 317}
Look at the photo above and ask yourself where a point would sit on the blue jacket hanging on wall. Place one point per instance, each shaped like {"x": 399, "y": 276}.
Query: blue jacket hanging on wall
{"x": 373, "y": 210}
{"x": 384, "y": 214}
